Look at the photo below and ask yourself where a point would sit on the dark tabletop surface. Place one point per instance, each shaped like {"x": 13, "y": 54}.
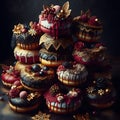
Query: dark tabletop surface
{"x": 112, "y": 113}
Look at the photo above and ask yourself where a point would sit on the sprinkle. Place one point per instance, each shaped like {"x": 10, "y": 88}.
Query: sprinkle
{"x": 101, "y": 92}
{"x": 41, "y": 116}
{"x": 81, "y": 117}
{"x": 32, "y": 32}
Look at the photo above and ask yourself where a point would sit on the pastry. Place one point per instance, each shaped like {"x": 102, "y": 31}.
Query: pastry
{"x": 53, "y": 59}
{"x": 89, "y": 53}
{"x": 73, "y": 74}
{"x": 9, "y": 76}
{"x": 26, "y": 56}
{"x": 62, "y": 100}
{"x": 23, "y": 101}
{"x": 101, "y": 93}
{"x": 37, "y": 77}
{"x": 55, "y": 20}
{"x": 88, "y": 28}
{"x": 27, "y": 36}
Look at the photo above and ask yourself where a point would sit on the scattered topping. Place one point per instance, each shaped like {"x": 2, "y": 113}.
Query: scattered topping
{"x": 23, "y": 94}
{"x": 101, "y": 92}
{"x": 72, "y": 94}
{"x": 32, "y": 32}
{"x": 41, "y": 116}
{"x": 94, "y": 21}
{"x": 31, "y": 96}
{"x": 54, "y": 89}
{"x": 60, "y": 97}
{"x": 90, "y": 89}
{"x": 82, "y": 116}
{"x": 18, "y": 29}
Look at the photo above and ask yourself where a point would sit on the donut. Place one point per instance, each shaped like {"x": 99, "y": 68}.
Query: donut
{"x": 26, "y": 56}
{"x": 60, "y": 45}
{"x": 53, "y": 59}
{"x": 55, "y": 20}
{"x": 72, "y": 74}
{"x": 100, "y": 93}
{"x": 87, "y": 28}
{"x": 9, "y": 76}
{"x": 62, "y": 100}
{"x": 89, "y": 54}
{"x": 27, "y": 36}
{"x": 21, "y": 100}
{"x": 37, "y": 77}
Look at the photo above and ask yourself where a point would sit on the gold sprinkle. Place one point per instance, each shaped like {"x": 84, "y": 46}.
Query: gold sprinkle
{"x": 101, "y": 92}
{"x": 82, "y": 117}
{"x": 32, "y": 32}
{"x": 41, "y": 116}
{"x": 90, "y": 89}
{"x": 107, "y": 90}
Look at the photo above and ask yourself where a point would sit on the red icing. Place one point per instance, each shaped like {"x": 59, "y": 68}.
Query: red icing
{"x": 78, "y": 45}
{"x": 60, "y": 68}
{"x": 93, "y": 21}
{"x": 29, "y": 60}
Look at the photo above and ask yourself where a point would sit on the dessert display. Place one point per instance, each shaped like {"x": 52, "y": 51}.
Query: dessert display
{"x": 101, "y": 93}
{"x": 55, "y": 20}
{"x": 9, "y": 76}
{"x": 37, "y": 77}
{"x": 61, "y": 100}
{"x": 88, "y": 28}
{"x": 73, "y": 74}
{"x": 22, "y": 100}
{"x": 68, "y": 69}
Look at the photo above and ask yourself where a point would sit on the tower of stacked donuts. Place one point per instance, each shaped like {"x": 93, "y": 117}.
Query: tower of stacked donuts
{"x": 56, "y": 66}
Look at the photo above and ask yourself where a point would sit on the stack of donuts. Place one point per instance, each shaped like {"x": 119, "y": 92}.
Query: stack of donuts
{"x": 56, "y": 67}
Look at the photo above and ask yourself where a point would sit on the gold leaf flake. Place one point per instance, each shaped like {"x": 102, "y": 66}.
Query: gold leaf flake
{"x": 101, "y": 92}
{"x": 90, "y": 89}
{"x": 82, "y": 117}
{"x": 41, "y": 116}
{"x": 32, "y": 32}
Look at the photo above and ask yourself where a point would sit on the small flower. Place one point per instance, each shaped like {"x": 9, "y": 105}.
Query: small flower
{"x": 32, "y": 32}
{"x": 18, "y": 28}
{"x": 90, "y": 89}
{"x": 101, "y": 92}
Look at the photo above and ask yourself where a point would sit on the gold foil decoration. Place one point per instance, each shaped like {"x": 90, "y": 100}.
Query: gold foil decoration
{"x": 82, "y": 116}
{"x": 41, "y": 116}
{"x": 90, "y": 89}
{"x": 18, "y": 28}
{"x": 31, "y": 96}
{"x": 32, "y": 32}
{"x": 65, "y": 11}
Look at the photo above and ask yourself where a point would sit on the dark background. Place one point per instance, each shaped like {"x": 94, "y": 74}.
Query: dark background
{"x": 23, "y": 11}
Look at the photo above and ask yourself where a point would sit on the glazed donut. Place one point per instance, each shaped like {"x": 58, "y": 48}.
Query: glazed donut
{"x": 88, "y": 28}
{"x": 37, "y": 77}
{"x": 26, "y": 56}
{"x": 27, "y": 36}
{"x": 101, "y": 93}
{"x": 22, "y": 101}
{"x": 88, "y": 54}
{"x": 72, "y": 74}
{"x": 54, "y": 22}
{"x": 62, "y": 100}
{"x": 53, "y": 59}
{"x": 9, "y": 76}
